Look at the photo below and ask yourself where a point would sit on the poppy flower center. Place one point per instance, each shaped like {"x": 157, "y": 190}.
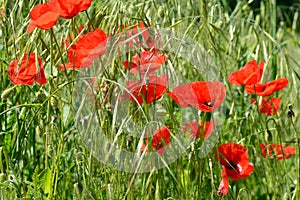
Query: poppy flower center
{"x": 147, "y": 80}
{"x": 209, "y": 104}
{"x": 149, "y": 40}
{"x": 232, "y": 165}
{"x": 263, "y": 88}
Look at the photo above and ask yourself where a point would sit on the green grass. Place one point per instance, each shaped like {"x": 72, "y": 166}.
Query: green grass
{"x": 42, "y": 154}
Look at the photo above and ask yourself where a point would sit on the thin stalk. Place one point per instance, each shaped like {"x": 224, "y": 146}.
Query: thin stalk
{"x": 273, "y": 32}
{"x": 48, "y": 116}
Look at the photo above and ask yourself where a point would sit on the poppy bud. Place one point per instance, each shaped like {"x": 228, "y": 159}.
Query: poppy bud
{"x": 6, "y": 93}
{"x": 22, "y": 113}
{"x": 38, "y": 94}
{"x": 53, "y": 118}
{"x": 161, "y": 11}
{"x": 290, "y": 113}
{"x": 38, "y": 130}
{"x": 54, "y": 102}
{"x": 268, "y": 136}
{"x": 3, "y": 177}
{"x": 160, "y": 113}
{"x": 128, "y": 142}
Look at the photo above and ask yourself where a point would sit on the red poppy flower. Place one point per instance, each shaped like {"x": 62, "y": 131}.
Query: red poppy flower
{"x": 251, "y": 73}
{"x": 234, "y": 157}
{"x": 87, "y": 49}
{"x": 268, "y": 106}
{"x": 25, "y": 72}
{"x": 204, "y": 95}
{"x": 71, "y": 8}
{"x": 268, "y": 88}
{"x": 161, "y": 138}
{"x": 43, "y": 16}
{"x": 199, "y": 129}
{"x": 149, "y": 90}
{"x": 280, "y": 151}
{"x": 147, "y": 62}
{"x": 138, "y": 36}
{"x": 236, "y": 165}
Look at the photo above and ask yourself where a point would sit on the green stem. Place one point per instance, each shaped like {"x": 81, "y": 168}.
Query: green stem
{"x": 48, "y": 116}
{"x": 297, "y": 189}
{"x": 274, "y": 29}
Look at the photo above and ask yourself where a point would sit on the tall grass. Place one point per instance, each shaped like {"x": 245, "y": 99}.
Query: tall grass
{"x": 42, "y": 155}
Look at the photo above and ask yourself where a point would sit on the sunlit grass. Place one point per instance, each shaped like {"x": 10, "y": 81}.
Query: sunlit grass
{"x": 42, "y": 154}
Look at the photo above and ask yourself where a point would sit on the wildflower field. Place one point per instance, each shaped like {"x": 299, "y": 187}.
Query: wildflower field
{"x": 149, "y": 99}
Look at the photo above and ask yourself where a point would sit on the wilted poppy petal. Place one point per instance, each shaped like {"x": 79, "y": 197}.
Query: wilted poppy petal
{"x": 251, "y": 73}
{"x": 224, "y": 184}
{"x": 269, "y": 106}
{"x": 281, "y": 151}
{"x": 268, "y": 88}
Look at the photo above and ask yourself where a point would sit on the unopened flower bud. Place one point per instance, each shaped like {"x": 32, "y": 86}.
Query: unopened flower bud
{"x": 54, "y": 102}
{"x": 6, "y": 93}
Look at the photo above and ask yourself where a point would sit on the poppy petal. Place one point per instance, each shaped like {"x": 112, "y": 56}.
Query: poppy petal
{"x": 224, "y": 184}
{"x": 160, "y": 138}
{"x": 43, "y": 16}
{"x": 88, "y": 48}
{"x": 25, "y": 72}
{"x": 268, "y": 106}
{"x": 289, "y": 151}
{"x": 234, "y": 158}
{"x": 199, "y": 129}
{"x": 281, "y": 151}
{"x": 268, "y": 88}
{"x": 245, "y": 168}
{"x": 251, "y": 73}
{"x": 148, "y": 90}
{"x": 147, "y": 62}
{"x": 70, "y": 8}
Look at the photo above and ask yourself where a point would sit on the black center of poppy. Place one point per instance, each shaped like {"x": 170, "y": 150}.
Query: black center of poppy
{"x": 209, "y": 103}
{"x": 232, "y": 165}
{"x": 149, "y": 40}
{"x": 263, "y": 88}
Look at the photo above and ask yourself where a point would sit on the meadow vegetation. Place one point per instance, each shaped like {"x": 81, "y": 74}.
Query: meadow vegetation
{"x": 250, "y": 117}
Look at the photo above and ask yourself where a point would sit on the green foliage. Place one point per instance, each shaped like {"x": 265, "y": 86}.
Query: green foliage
{"x": 42, "y": 155}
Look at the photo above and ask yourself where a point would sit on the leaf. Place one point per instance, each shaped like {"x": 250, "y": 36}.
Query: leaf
{"x": 66, "y": 113}
{"x": 45, "y": 178}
